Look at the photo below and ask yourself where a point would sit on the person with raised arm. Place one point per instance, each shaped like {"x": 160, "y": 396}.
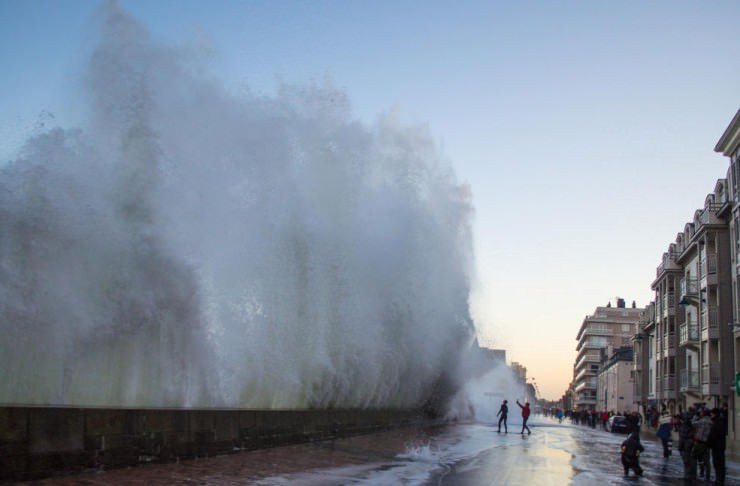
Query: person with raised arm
{"x": 525, "y": 415}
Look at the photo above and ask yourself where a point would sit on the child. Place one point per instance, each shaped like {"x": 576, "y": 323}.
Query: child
{"x": 631, "y": 449}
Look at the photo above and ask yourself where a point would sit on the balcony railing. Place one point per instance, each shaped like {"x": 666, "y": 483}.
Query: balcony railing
{"x": 668, "y": 263}
{"x": 690, "y": 287}
{"x": 590, "y": 358}
{"x": 669, "y": 382}
{"x": 637, "y": 391}
{"x": 668, "y": 303}
{"x": 709, "y": 214}
{"x": 710, "y": 374}
{"x": 669, "y": 341}
{"x": 709, "y": 318}
{"x": 689, "y": 333}
{"x": 711, "y": 264}
{"x": 689, "y": 380}
{"x": 595, "y": 331}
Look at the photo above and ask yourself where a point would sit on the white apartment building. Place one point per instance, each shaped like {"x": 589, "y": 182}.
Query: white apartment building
{"x": 616, "y": 381}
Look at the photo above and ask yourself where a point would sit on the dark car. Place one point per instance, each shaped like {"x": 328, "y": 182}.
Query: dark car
{"x": 618, "y": 424}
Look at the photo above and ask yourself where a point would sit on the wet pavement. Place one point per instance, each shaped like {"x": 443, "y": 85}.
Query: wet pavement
{"x": 453, "y": 455}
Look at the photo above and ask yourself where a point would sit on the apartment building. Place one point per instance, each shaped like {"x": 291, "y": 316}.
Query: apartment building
{"x": 687, "y": 341}
{"x": 660, "y": 334}
{"x": 693, "y": 303}
{"x": 729, "y": 146}
{"x": 616, "y": 380}
{"x": 607, "y": 327}
{"x": 643, "y": 374}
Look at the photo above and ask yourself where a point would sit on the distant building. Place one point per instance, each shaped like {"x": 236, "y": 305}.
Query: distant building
{"x": 615, "y": 380}
{"x": 480, "y": 360}
{"x": 607, "y": 326}
{"x": 520, "y": 372}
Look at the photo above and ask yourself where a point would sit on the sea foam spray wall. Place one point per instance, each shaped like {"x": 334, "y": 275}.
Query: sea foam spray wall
{"x": 193, "y": 247}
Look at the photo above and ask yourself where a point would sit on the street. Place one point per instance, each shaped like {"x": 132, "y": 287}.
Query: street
{"x": 453, "y": 455}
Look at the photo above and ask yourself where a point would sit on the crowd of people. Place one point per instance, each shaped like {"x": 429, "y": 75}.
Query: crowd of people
{"x": 702, "y": 435}
{"x": 701, "y": 432}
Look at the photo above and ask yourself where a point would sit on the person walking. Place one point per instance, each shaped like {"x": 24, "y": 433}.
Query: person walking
{"x": 665, "y": 426}
{"x": 686, "y": 443}
{"x": 717, "y": 442}
{"x": 525, "y": 415}
{"x": 631, "y": 449}
{"x": 503, "y": 412}
{"x": 700, "y": 450}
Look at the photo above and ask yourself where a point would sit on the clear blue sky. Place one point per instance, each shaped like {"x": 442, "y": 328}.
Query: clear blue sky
{"x": 585, "y": 129}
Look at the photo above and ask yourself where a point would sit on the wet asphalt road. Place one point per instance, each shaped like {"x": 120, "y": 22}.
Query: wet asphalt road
{"x": 451, "y": 455}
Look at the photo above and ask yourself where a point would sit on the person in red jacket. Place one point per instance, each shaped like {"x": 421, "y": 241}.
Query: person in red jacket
{"x": 525, "y": 415}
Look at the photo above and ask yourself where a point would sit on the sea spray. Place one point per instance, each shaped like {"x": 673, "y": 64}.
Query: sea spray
{"x": 193, "y": 247}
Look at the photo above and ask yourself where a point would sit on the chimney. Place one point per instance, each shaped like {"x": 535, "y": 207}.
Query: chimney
{"x": 620, "y": 303}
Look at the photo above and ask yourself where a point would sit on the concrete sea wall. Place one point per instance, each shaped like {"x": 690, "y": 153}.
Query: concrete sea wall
{"x": 37, "y": 442}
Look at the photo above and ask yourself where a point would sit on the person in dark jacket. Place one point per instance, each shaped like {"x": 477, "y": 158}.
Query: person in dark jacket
{"x": 503, "y": 412}
{"x": 525, "y": 415}
{"x": 631, "y": 449}
{"x": 634, "y": 420}
{"x": 701, "y": 451}
{"x": 686, "y": 443}
{"x": 717, "y": 442}
{"x": 665, "y": 426}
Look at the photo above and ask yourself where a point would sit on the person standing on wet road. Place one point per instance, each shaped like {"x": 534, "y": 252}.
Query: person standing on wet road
{"x": 503, "y": 412}
{"x": 631, "y": 449}
{"x": 665, "y": 426}
{"x": 686, "y": 443}
{"x": 525, "y": 415}
{"x": 700, "y": 451}
{"x": 717, "y": 442}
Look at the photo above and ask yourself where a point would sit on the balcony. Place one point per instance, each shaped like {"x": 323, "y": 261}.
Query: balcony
{"x": 710, "y": 323}
{"x": 669, "y": 304}
{"x": 586, "y": 401}
{"x": 709, "y": 214}
{"x": 585, "y": 373}
{"x": 690, "y": 290}
{"x": 586, "y": 384}
{"x": 710, "y": 374}
{"x": 710, "y": 380}
{"x": 689, "y": 333}
{"x": 708, "y": 269}
{"x": 668, "y": 263}
{"x": 595, "y": 331}
{"x": 669, "y": 384}
{"x": 669, "y": 344}
{"x": 588, "y": 358}
{"x": 689, "y": 381}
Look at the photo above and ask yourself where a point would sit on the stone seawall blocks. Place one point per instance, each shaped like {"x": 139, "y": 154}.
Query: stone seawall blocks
{"x": 37, "y": 442}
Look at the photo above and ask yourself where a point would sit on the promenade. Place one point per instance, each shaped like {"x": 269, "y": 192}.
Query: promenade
{"x": 467, "y": 454}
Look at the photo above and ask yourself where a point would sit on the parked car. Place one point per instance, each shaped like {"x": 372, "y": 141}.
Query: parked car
{"x": 618, "y": 424}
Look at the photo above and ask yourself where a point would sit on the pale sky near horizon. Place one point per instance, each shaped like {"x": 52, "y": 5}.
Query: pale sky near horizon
{"x": 584, "y": 129}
